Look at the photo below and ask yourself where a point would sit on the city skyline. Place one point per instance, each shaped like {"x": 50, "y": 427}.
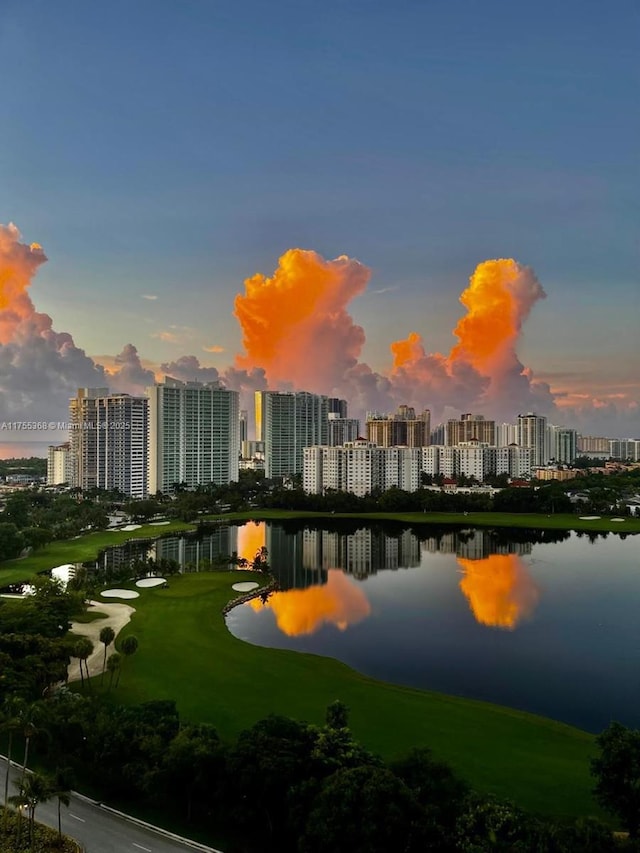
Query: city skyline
{"x": 332, "y": 188}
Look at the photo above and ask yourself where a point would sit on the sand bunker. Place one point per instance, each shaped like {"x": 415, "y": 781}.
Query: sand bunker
{"x": 618, "y": 519}
{"x": 247, "y": 586}
{"x": 120, "y": 593}
{"x": 149, "y": 582}
{"x": 158, "y": 523}
{"x": 590, "y": 517}
{"x": 128, "y": 527}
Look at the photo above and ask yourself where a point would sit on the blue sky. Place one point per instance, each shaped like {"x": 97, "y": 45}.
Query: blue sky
{"x": 174, "y": 149}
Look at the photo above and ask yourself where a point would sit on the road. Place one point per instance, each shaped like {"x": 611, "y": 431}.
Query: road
{"x": 102, "y": 830}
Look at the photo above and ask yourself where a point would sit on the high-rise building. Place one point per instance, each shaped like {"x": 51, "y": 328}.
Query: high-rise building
{"x": 244, "y": 425}
{"x": 342, "y": 430}
{"x": 108, "y": 441}
{"x": 563, "y": 444}
{"x": 593, "y": 444}
{"x": 337, "y": 407}
{"x": 290, "y": 421}
{"x": 83, "y": 436}
{"x": 60, "y": 467}
{"x": 471, "y": 428}
{"x": 123, "y": 435}
{"x": 625, "y": 449}
{"x": 532, "y": 433}
{"x": 506, "y": 434}
{"x": 194, "y": 434}
{"x": 404, "y": 429}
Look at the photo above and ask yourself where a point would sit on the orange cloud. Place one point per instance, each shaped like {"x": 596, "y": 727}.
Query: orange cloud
{"x": 483, "y": 367}
{"x": 340, "y": 602}
{"x": 500, "y": 591}
{"x": 300, "y": 310}
{"x": 18, "y": 264}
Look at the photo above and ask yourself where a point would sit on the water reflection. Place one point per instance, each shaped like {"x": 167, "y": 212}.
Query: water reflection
{"x": 340, "y": 602}
{"x": 499, "y": 589}
{"x": 251, "y": 538}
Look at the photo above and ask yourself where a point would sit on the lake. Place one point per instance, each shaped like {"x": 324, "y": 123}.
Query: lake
{"x": 509, "y": 617}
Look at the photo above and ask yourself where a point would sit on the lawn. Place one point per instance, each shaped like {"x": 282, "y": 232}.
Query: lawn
{"x": 560, "y": 521}
{"x": 79, "y": 550}
{"x": 186, "y": 653}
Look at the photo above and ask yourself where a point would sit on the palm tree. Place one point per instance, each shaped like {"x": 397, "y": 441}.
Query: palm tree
{"x": 81, "y": 650}
{"x": 62, "y": 783}
{"x": 113, "y": 666}
{"x": 29, "y": 718}
{"x": 12, "y": 709}
{"x": 35, "y": 788}
{"x": 129, "y": 647}
{"x": 107, "y": 636}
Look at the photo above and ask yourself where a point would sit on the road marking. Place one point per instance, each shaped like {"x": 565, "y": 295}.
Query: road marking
{"x": 148, "y": 849}
{"x": 75, "y": 816}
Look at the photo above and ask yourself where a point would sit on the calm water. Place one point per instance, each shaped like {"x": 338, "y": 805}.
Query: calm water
{"x": 549, "y": 627}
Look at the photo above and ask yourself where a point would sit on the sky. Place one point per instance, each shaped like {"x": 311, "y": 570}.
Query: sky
{"x": 298, "y": 195}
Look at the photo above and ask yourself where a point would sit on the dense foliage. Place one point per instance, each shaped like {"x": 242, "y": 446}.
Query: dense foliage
{"x": 287, "y": 785}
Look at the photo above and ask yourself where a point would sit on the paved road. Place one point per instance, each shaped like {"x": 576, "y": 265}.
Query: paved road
{"x": 101, "y": 830}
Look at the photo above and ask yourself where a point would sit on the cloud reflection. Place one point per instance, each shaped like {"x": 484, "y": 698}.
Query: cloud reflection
{"x": 340, "y": 602}
{"x": 500, "y": 591}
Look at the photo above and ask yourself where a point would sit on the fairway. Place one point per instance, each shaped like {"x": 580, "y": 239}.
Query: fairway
{"x": 186, "y": 653}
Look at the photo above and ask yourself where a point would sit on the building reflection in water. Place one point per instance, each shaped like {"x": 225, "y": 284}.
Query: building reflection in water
{"x": 496, "y": 583}
{"x": 339, "y": 601}
{"x": 499, "y": 589}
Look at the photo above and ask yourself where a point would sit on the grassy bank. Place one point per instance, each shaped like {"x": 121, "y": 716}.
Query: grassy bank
{"x": 560, "y": 521}
{"x": 187, "y": 653}
{"x": 80, "y": 549}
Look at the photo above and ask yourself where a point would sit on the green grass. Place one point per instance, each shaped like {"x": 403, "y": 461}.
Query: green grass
{"x": 80, "y": 550}
{"x": 187, "y": 653}
{"x": 561, "y": 521}
{"x": 89, "y": 616}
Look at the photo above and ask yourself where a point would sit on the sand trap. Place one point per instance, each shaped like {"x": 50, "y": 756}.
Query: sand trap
{"x": 117, "y": 617}
{"x": 128, "y": 527}
{"x": 120, "y": 593}
{"x": 618, "y": 519}
{"x": 149, "y": 582}
{"x": 158, "y": 523}
{"x": 247, "y": 586}
{"x": 590, "y": 517}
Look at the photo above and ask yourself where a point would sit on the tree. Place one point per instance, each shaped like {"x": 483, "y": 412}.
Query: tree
{"x": 62, "y": 783}
{"x": 82, "y": 649}
{"x": 129, "y": 647}
{"x": 12, "y": 710}
{"x": 617, "y": 774}
{"x": 107, "y": 636}
{"x": 363, "y": 810}
{"x": 436, "y": 788}
{"x": 11, "y": 541}
{"x": 35, "y": 788}
{"x": 337, "y": 715}
{"x": 113, "y": 665}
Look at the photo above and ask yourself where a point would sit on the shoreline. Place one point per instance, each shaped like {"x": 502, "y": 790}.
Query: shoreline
{"x": 87, "y": 547}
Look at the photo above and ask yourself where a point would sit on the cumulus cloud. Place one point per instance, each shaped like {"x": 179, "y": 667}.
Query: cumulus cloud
{"x": 298, "y": 334}
{"x": 295, "y": 324}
